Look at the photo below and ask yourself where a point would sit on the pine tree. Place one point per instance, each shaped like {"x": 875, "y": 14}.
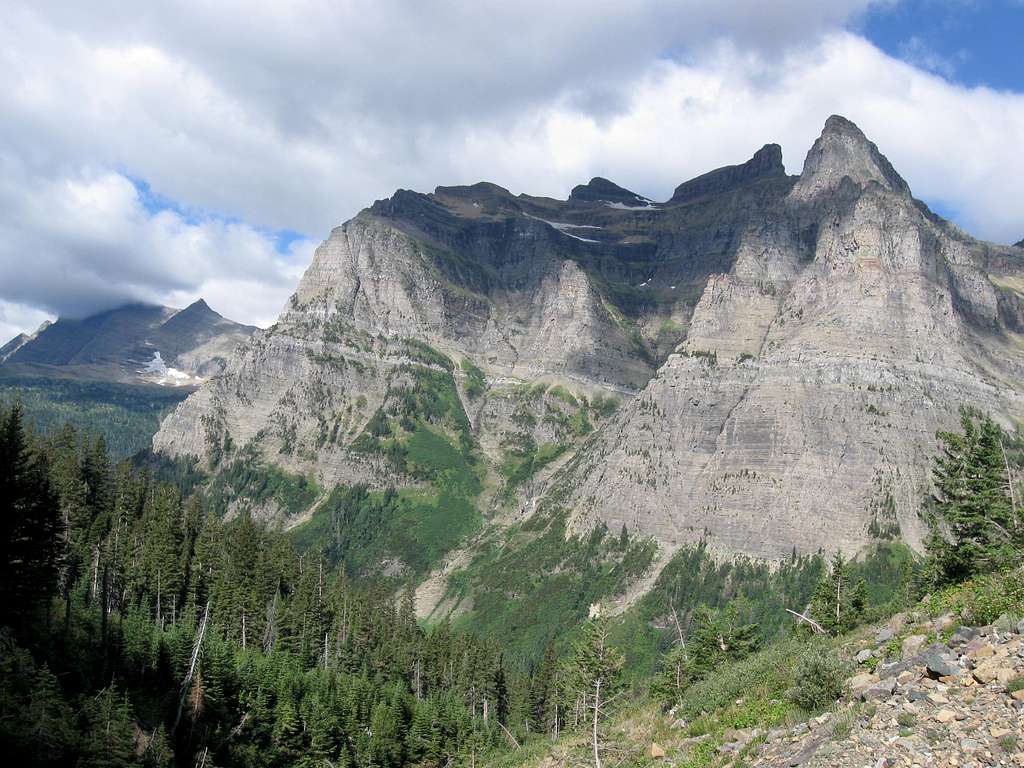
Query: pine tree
{"x": 975, "y": 527}
{"x": 674, "y": 677}
{"x": 161, "y": 551}
{"x": 109, "y": 740}
{"x": 839, "y": 601}
{"x": 717, "y": 637}
{"x": 595, "y": 670}
{"x": 31, "y": 526}
{"x": 544, "y": 693}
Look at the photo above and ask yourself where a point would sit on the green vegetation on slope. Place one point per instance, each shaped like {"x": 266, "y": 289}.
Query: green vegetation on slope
{"x": 126, "y": 415}
{"x": 423, "y": 431}
{"x": 538, "y": 583}
{"x": 247, "y": 483}
{"x": 146, "y": 632}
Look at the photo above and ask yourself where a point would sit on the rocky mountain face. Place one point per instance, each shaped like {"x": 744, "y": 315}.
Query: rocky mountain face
{"x": 131, "y": 344}
{"x": 760, "y": 362}
{"x": 19, "y": 341}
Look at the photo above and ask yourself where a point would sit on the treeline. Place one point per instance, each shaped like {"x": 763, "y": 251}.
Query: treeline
{"x": 140, "y": 629}
{"x": 976, "y": 524}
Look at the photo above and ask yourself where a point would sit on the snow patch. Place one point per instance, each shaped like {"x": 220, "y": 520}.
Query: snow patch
{"x": 581, "y": 239}
{"x": 643, "y": 205}
{"x": 562, "y": 226}
{"x": 166, "y": 376}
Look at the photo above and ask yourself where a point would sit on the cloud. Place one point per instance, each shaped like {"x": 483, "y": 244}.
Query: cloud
{"x": 916, "y": 51}
{"x": 80, "y": 243}
{"x": 956, "y": 146}
{"x": 241, "y": 120}
{"x": 17, "y": 318}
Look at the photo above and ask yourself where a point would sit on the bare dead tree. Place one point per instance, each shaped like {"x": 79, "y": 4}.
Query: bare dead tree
{"x": 803, "y": 617}
{"x": 196, "y": 650}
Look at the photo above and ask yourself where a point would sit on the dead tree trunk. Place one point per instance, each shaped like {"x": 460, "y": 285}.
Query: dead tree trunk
{"x": 196, "y": 650}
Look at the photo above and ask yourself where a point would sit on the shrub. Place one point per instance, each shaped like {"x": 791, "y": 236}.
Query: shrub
{"x": 843, "y": 724}
{"x": 476, "y": 381}
{"x": 906, "y": 720}
{"x": 819, "y": 679}
{"x": 984, "y": 598}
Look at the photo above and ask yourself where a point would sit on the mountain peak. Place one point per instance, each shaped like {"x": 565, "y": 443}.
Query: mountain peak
{"x": 198, "y": 307}
{"x": 766, "y": 163}
{"x": 843, "y": 151}
{"x": 599, "y": 189}
{"x": 1020, "y": 244}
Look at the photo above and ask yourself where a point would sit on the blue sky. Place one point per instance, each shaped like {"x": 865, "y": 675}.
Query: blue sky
{"x": 972, "y": 42}
{"x": 184, "y": 149}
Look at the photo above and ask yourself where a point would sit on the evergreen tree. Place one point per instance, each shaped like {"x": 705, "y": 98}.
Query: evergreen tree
{"x": 975, "y": 527}
{"x": 31, "y": 526}
{"x": 839, "y": 601}
{"x": 596, "y": 675}
{"x": 109, "y": 740}
{"x": 544, "y": 693}
{"x": 674, "y": 677}
{"x": 717, "y": 637}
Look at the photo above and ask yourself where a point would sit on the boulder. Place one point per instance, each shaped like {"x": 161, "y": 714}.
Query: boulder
{"x": 991, "y": 670}
{"x": 863, "y": 656}
{"x": 859, "y": 683}
{"x": 879, "y": 691}
{"x": 911, "y": 646}
{"x": 963, "y": 636}
{"x": 656, "y": 751}
{"x": 899, "y": 667}
{"x": 940, "y": 667}
{"x": 1004, "y": 624}
{"x": 970, "y": 745}
{"x": 884, "y": 635}
{"x": 979, "y": 648}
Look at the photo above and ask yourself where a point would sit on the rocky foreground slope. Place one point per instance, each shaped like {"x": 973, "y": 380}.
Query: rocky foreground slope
{"x": 761, "y": 361}
{"x": 953, "y": 703}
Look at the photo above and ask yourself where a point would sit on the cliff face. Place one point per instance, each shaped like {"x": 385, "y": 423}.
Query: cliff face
{"x": 803, "y": 405}
{"x": 784, "y": 349}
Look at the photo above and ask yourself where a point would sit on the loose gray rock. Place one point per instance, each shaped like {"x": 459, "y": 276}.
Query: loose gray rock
{"x": 880, "y": 691}
{"x": 963, "y": 636}
{"x": 940, "y": 667}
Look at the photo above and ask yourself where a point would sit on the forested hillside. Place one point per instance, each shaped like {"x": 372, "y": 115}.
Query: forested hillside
{"x": 140, "y": 627}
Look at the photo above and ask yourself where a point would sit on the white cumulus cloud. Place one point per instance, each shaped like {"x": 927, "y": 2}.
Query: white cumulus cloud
{"x": 257, "y": 118}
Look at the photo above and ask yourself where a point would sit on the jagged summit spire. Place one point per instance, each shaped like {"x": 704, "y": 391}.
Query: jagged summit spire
{"x": 766, "y": 162}
{"x": 842, "y": 151}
